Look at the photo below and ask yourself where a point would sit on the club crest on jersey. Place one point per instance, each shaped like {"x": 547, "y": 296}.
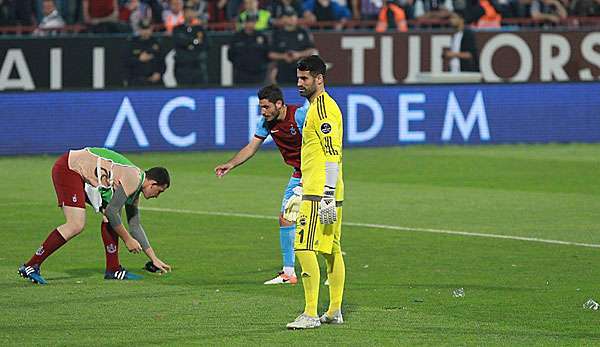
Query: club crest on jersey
{"x": 40, "y": 251}
{"x": 292, "y": 130}
{"x": 111, "y": 248}
{"x": 74, "y": 198}
{"x": 325, "y": 128}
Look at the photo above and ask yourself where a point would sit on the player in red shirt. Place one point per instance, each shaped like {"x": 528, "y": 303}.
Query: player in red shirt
{"x": 284, "y": 124}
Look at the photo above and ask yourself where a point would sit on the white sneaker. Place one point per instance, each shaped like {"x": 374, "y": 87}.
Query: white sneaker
{"x": 336, "y": 319}
{"x": 304, "y": 322}
{"x": 282, "y": 278}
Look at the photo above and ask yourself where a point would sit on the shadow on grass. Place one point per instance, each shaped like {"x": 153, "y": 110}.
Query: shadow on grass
{"x": 78, "y": 273}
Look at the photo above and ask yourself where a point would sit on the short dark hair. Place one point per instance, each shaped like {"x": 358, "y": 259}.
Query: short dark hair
{"x": 314, "y": 64}
{"x": 160, "y": 175}
{"x": 271, "y": 92}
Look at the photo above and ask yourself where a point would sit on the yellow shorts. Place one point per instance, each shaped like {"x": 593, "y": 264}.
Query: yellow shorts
{"x": 312, "y": 235}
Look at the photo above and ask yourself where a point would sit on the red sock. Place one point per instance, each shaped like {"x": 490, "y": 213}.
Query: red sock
{"x": 111, "y": 247}
{"x": 52, "y": 243}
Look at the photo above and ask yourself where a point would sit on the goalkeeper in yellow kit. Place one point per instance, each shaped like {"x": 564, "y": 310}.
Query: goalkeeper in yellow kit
{"x": 319, "y": 224}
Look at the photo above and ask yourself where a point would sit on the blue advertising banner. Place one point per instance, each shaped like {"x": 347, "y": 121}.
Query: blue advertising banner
{"x": 205, "y": 119}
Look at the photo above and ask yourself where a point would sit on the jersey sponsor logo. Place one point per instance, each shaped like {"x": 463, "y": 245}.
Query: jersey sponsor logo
{"x": 111, "y": 248}
{"x": 325, "y": 128}
{"x": 302, "y": 221}
{"x": 40, "y": 251}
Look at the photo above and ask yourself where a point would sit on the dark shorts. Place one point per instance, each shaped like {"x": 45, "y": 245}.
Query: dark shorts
{"x": 68, "y": 184}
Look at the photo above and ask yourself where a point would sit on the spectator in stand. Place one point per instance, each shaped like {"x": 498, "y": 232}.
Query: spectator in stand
{"x": 583, "y": 8}
{"x": 38, "y": 9}
{"x": 290, "y": 44}
{"x": 409, "y": 7}
{"x": 217, "y": 11}
{"x": 508, "y": 8}
{"x": 489, "y": 16}
{"x": 391, "y": 17}
{"x": 145, "y": 61}
{"x": 462, "y": 55}
{"x": 366, "y": 9}
{"x": 6, "y": 13}
{"x": 51, "y": 20}
{"x": 249, "y": 53}
{"x": 72, "y": 11}
{"x": 101, "y": 15}
{"x": 233, "y": 8}
{"x": 173, "y": 16}
{"x": 156, "y": 8}
{"x": 551, "y": 11}
{"x": 201, "y": 8}
{"x": 18, "y": 12}
{"x": 328, "y": 11}
{"x": 277, "y": 8}
{"x": 135, "y": 12}
{"x": 191, "y": 49}
{"x": 251, "y": 8}
{"x": 432, "y": 9}
{"x": 517, "y": 9}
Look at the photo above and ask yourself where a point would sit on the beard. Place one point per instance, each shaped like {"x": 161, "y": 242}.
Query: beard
{"x": 308, "y": 92}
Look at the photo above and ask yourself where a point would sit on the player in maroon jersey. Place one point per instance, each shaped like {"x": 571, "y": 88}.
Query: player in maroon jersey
{"x": 284, "y": 124}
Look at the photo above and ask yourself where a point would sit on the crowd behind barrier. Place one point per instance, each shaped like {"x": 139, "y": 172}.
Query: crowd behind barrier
{"x": 256, "y": 42}
{"x": 54, "y": 17}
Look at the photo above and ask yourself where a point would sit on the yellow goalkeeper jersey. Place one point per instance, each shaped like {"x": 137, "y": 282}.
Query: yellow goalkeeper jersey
{"x": 322, "y": 142}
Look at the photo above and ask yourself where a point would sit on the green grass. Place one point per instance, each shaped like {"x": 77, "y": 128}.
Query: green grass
{"x": 399, "y": 283}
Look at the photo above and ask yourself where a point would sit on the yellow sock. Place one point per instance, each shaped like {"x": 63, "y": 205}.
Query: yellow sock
{"x": 336, "y": 272}
{"x": 310, "y": 280}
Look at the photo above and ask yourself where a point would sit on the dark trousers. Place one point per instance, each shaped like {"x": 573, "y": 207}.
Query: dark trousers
{"x": 190, "y": 76}
{"x": 248, "y": 77}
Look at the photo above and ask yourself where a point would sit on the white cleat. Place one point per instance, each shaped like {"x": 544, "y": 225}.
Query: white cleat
{"x": 326, "y": 283}
{"x": 336, "y": 319}
{"x": 282, "y": 278}
{"x": 304, "y": 322}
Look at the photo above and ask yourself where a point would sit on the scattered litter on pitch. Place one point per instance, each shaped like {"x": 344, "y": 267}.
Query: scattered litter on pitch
{"x": 591, "y": 304}
{"x": 458, "y": 293}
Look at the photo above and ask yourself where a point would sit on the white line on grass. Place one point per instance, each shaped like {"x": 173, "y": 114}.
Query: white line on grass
{"x": 23, "y": 204}
{"x": 382, "y": 226}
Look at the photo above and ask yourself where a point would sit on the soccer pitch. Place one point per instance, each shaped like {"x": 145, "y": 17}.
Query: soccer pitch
{"x": 420, "y": 222}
